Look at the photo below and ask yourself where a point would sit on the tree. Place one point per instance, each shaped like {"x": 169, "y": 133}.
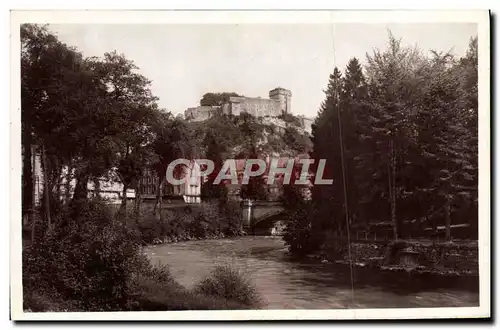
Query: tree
{"x": 216, "y": 99}
{"x": 216, "y": 151}
{"x": 252, "y": 148}
{"x": 408, "y": 129}
{"x": 293, "y": 194}
{"x": 57, "y": 92}
{"x": 135, "y": 111}
{"x": 295, "y": 141}
{"x": 173, "y": 140}
{"x": 353, "y": 125}
{"x": 449, "y": 147}
{"x": 328, "y": 199}
{"x": 89, "y": 117}
{"x": 418, "y": 116}
{"x": 394, "y": 86}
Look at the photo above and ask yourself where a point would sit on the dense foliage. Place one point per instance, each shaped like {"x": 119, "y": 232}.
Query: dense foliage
{"x": 216, "y": 99}
{"x": 93, "y": 262}
{"x": 90, "y": 119}
{"x": 402, "y": 144}
{"x": 203, "y": 221}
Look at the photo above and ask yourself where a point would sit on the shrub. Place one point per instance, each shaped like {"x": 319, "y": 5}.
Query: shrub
{"x": 89, "y": 258}
{"x": 298, "y": 235}
{"x": 231, "y": 219}
{"x": 154, "y": 296}
{"x": 154, "y": 289}
{"x": 199, "y": 228}
{"x": 174, "y": 223}
{"x": 158, "y": 273}
{"x": 333, "y": 247}
{"x": 205, "y": 222}
{"x": 43, "y": 300}
{"x": 92, "y": 262}
{"x": 228, "y": 283}
{"x": 149, "y": 229}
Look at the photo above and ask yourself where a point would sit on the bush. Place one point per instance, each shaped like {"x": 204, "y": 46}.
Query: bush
{"x": 154, "y": 296}
{"x": 88, "y": 259}
{"x": 40, "y": 300}
{"x": 149, "y": 229}
{"x": 298, "y": 235}
{"x": 92, "y": 262}
{"x": 228, "y": 283}
{"x": 334, "y": 248}
{"x": 231, "y": 219}
{"x": 174, "y": 224}
{"x": 206, "y": 222}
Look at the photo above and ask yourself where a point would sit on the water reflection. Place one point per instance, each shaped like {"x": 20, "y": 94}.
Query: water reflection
{"x": 288, "y": 283}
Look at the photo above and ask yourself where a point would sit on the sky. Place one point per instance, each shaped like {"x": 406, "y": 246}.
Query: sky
{"x": 185, "y": 61}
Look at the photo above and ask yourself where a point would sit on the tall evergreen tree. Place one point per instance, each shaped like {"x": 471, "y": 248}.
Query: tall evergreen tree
{"x": 329, "y": 199}
{"x": 353, "y": 119}
{"x": 394, "y": 84}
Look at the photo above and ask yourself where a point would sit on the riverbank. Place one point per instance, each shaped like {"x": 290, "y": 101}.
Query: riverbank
{"x": 92, "y": 262}
{"x": 186, "y": 222}
{"x": 446, "y": 259}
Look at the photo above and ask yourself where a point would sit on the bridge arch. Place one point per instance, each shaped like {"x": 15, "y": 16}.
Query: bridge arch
{"x": 273, "y": 224}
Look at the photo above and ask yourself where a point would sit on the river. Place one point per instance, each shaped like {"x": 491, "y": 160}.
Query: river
{"x": 287, "y": 283}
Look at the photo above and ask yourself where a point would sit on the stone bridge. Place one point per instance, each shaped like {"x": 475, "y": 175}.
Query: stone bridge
{"x": 260, "y": 218}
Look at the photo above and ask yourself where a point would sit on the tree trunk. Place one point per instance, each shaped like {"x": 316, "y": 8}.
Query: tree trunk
{"x": 392, "y": 180}
{"x": 159, "y": 198}
{"x": 67, "y": 187}
{"x": 57, "y": 186}
{"x": 137, "y": 200}
{"x": 434, "y": 227}
{"x": 32, "y": 210}
{"x": 97, "y": 188}
{"x": 447, "y": 219}
{"x": 123, "y": 207}
{"x": 81, "y": 189}
{"x": 28, "y": 186}
{"x": 46, "y": 188}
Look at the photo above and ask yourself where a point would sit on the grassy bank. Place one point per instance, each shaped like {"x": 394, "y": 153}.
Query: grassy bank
{"x": 92, "y": 261}
{"x": 446, "y": 259}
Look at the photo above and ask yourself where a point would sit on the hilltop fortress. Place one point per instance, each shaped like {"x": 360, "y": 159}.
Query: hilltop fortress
{"x": 278, "y": 103}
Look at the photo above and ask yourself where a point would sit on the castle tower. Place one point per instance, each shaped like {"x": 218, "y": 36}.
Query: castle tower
{"x": 283, "y": 96}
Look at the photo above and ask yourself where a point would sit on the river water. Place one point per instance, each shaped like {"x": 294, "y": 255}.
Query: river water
{"x": 287, "y": 283}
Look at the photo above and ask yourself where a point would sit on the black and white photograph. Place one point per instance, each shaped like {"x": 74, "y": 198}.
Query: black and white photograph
{"x": 275, "y": 165}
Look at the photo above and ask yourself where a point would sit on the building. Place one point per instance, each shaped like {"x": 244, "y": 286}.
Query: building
{"x": 111, "y": 187}
{"x": 278, "y": 103}
{"x": 274, "y": 190}
{"x": 189, "y": 191}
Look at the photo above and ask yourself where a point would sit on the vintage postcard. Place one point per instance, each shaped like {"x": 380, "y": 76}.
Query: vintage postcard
{"x": 250, "y": 165}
